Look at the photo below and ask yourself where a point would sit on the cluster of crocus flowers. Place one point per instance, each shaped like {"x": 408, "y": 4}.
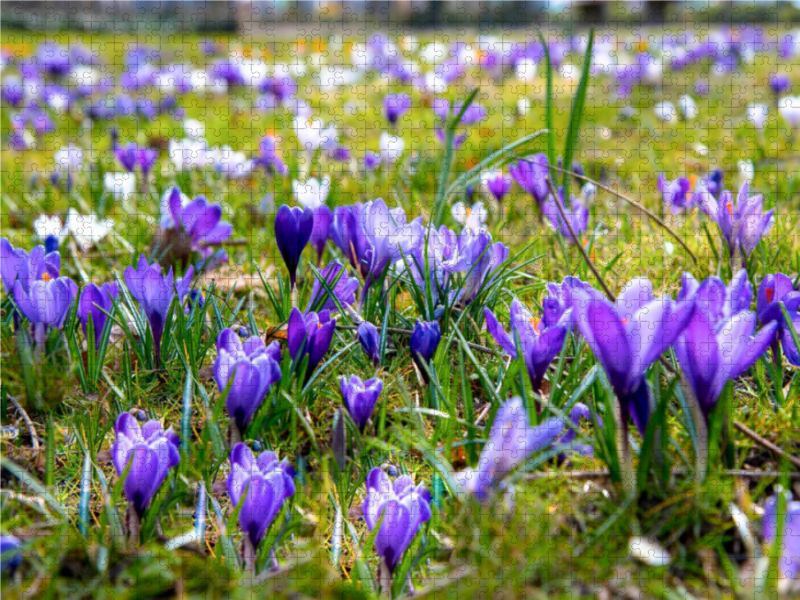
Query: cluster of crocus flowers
{"x": 154, "y": 292}
{"x": 261, "y": 484}
{"x": 540, "y": 340}
{"x": 149, "y": 453}
{"x": 310, "y": 336}
{"x": 401, "y": 508}
{"x": 250, "y": 368}
{"x": 360, "y": 398}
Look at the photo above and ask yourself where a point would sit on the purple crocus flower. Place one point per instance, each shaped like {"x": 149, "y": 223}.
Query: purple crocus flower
{"x": 531, "y": 175}
{"x": 45, "y": 303}
{"x": 779, "y": 83}
{"x": 714, "y": 182}
{"x": 676, "y": 194}
{"x": 479, "y": 259}
{"x": 12, "y": 91}
{"x": 458, "y": 141}
{"x": 396, "y": 106}
{"x": 369, "y": 338}
{"x": 720, "y": 303}
{"x": 97, "y": 301}
{"x": 151, "y": 452}
{"x": 200, "y": 222}
{"x": 743, "y": 222}
{"x": 348, "y": 235}
{"x": 558, "y": 301}
{"x": 388, "y": 235}
{"x": 267, "y": 482}
{"x": 16, "y": 263}
{"x": 789, "y": 563}
{"x": 309, "y": 335}
{"x": 155, "y": 292}
{"x": 132, "y": 155}
{"x": 424, "y": 341}
{"x": 512, "y": 440}
{"x": 372, "y": 160}
{"x": 254, "y": 368}
{"x": 343, "y": 287}
{"x": 567, "y": 441}
{"x": 11, "y": 554}
{"x": 773, "y": 290}
{"x": 400, "y": 507}
{"x": 360, "y": 398}
{"x": 497, "y": 183}
{"x": 268, "y": 158}
{"x": 627, "y": 337}
{"x": 577, "y": 215}
{"x": 54, "y": 59}
{"x": 540, "y": 344}
{"x": 293, "y": 229}
{"x": 710, "y": 355}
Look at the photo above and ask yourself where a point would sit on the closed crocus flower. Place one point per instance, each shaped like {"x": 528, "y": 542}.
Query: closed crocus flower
{"x": 360, "y": 398}
{"x": 293, "y": 229}
{"x": 539, "y": 343}
{"x": 341, "y": 284}
{"x": 151, "y": 452}
{"x": 400, "y": 507}
{"x": 779, "y": 83}
{"x": 757, "y": 115}
{"x": 512, "y": 440}
{"x": 267, "y": 483}
{"x": 424, "y": 341}
{"x": 97, "y": 302}
{"x": 676, "y": 194}
{"x": 309, "y": 335}
{"x": 254, "y": 369}
{"x": 773, "y": 290}
{"x": 154, "y": 292}
{"x": 628, "y": 336}
{"x": 396, "y": 106}
{"x": 531, "y": 175}
{"x": 497, "y": 183}
{"x": 789, "y": 562}
{"x": 369, "y": 338}
{"x": 348, "y": 235}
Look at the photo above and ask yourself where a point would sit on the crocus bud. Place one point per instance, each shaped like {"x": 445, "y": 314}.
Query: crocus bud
{"x": 360, "y": 398}
{"x": 369, "y": 339}
{"x": 424, "y": 341}
{"x": 293, "y": 229}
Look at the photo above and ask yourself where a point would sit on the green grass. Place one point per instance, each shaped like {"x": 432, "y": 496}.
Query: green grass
{"x": 564, "y": 537}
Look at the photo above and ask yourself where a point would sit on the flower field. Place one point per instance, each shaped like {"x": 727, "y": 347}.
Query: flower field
{"x": 457, "y": 313}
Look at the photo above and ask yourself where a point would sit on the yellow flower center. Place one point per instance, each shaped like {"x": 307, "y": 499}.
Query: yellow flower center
{"x": 46, "y": 276}
{"x": 729, "y": 206}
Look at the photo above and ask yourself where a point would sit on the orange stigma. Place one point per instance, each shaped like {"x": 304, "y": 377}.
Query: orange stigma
{"x": 770, "y": 294}
{"x": 535, "y": 323}
{"x": 624, "y": 320}
{"x": 729, "y": 206}
{"x": 46, "y": 276}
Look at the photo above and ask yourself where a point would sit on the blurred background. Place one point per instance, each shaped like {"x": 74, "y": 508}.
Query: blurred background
{"x": 242, "y": 16}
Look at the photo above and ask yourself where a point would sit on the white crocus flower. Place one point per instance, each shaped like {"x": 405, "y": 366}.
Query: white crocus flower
{"x": 789, "y": 108}
{"x": 391, "y": 147}
{"x": 526, "y": 69}
{"x": 188, "y": 154}
{"x": 230, "y": 163}
{"x": 665, "y": 111}
{"x": 471, "y": 217}
{"x": 69, "y": 158}
{"x": 194, "y": 128}
{"x": 313, "y": 193}
{"x": 44, "y": 226}
{"x": 87, "y": 229}
{"x": 688, "y": 108}
{"x": 120, "y": 185}
{"x": 312, "y": 134}
{"x": 757, "y": 115}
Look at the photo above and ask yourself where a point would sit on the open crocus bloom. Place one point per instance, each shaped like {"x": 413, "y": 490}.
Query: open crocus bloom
{"x": 401, "y": 507}
{"x": 742, "y": 222}
{"x": 773, "y": 290}
{"x": 627, "y": 337}
{"x": 151, "y": 451}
